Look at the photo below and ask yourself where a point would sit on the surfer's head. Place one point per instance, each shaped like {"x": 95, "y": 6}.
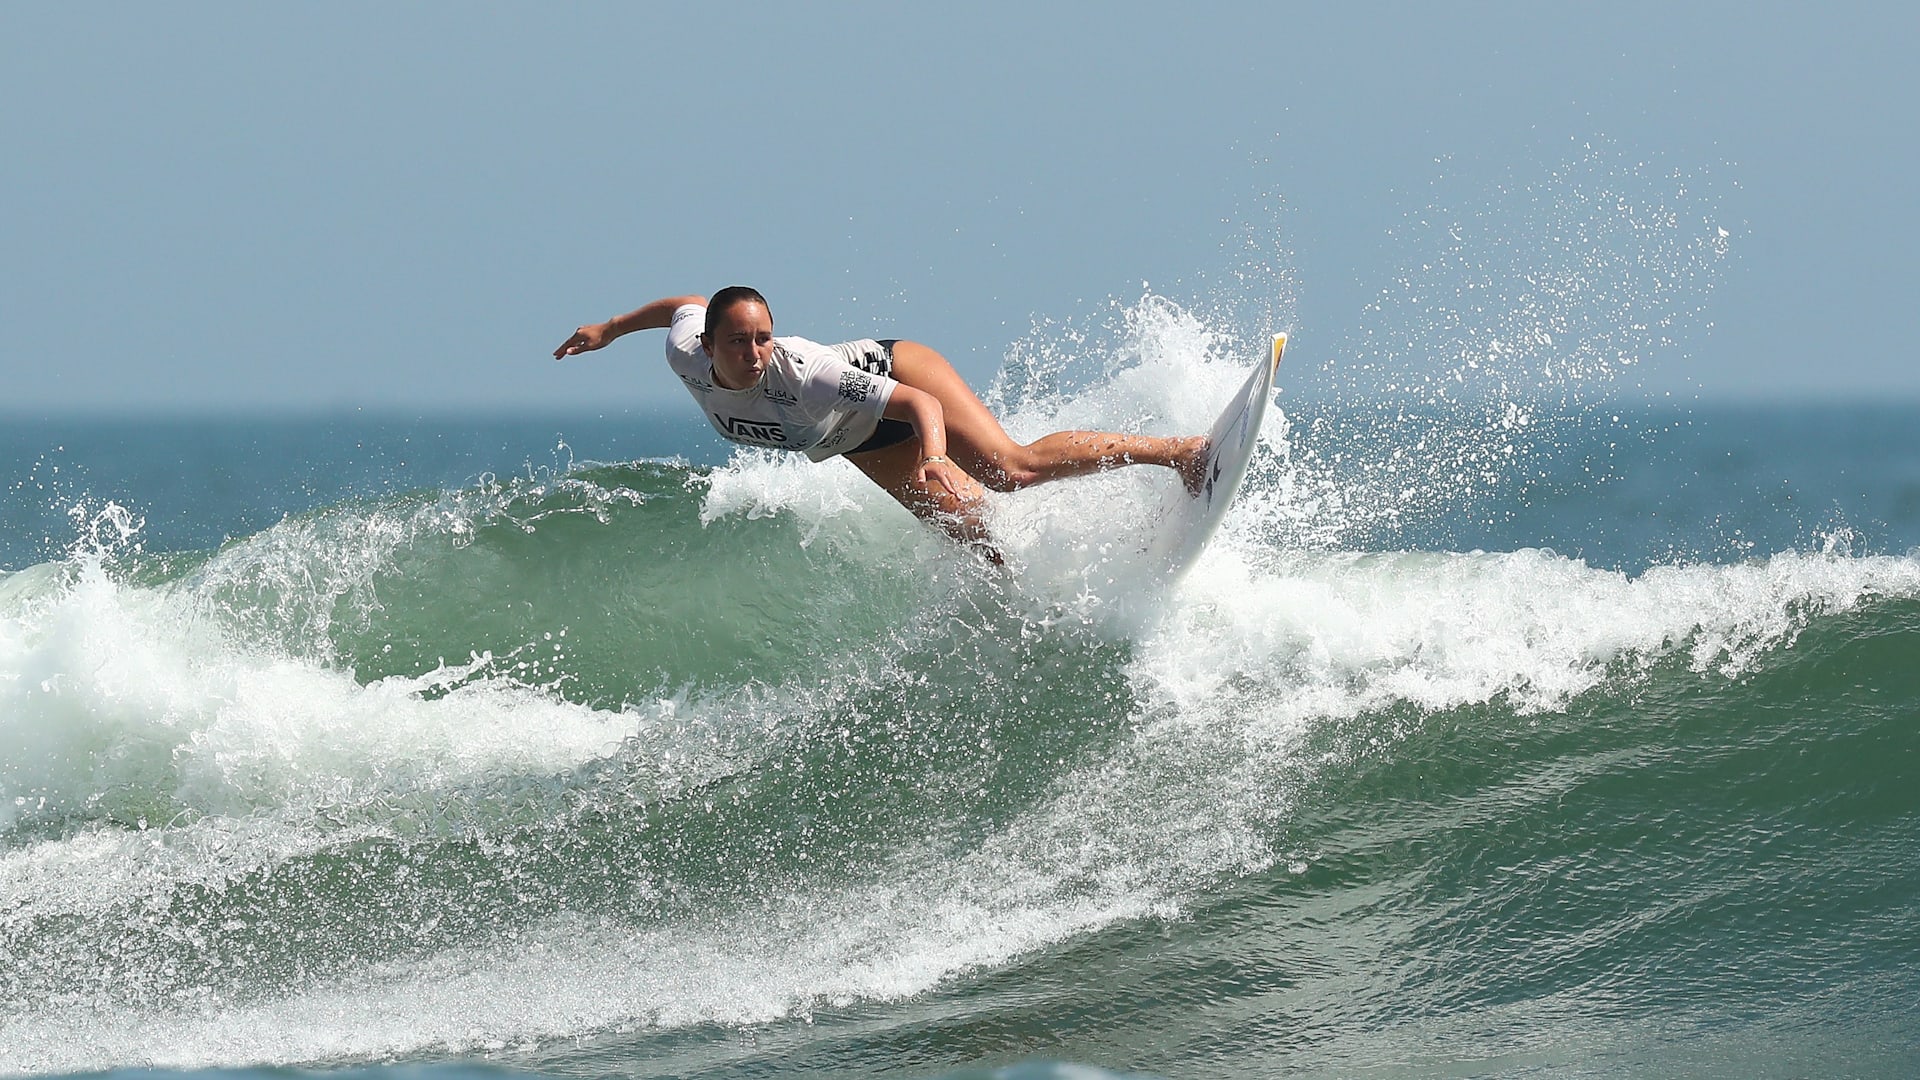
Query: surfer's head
{"x": 739, "y": 336}
{"x": 726, "y": 298}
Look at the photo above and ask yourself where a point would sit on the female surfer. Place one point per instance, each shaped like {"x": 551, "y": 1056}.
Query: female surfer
{"x": 896, "y": 409}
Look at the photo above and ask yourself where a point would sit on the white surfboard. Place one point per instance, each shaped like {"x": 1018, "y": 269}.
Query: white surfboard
{"x": 1183, "y": 531}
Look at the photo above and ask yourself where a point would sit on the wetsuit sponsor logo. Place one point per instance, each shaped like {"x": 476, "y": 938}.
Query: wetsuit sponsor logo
{"x": 856, "y": 385}
{"x": 779, "y": 396}
{"x": 698, "y": 384}
{"x": 741, "y": 429}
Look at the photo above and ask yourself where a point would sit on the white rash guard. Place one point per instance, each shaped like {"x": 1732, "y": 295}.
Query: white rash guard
{"x": 809, "y": 399}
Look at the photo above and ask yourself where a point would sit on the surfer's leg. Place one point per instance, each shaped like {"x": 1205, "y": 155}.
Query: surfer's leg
{"x": 981, "y": 446}
{"x": 960, "y": 516}
{"x": 1076, "y": 453}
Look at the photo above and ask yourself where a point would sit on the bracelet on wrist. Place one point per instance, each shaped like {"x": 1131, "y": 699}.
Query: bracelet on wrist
{"x": 931, "y": 458}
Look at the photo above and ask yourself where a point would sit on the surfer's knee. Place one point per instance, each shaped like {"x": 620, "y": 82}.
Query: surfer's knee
{"x": 1014, "y": 468}
{"x": 960, "y": 516}
{"x": 963, "y": 523}
{"x": 929, "y": 501}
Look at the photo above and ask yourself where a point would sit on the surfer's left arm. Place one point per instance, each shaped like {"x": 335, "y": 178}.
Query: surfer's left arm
{"x": 929, "y": 420}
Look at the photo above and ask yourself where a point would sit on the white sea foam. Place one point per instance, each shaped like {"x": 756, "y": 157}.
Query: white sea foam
{"x": 1353, "y": 632}
{"x": 126, "y": 703}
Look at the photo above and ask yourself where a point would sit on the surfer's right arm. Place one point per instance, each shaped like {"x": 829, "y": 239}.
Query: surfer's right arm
{"x": 657, "y": 315}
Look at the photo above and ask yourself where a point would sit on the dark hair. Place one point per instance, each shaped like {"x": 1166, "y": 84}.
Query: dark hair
{"x": 729, "y": 296}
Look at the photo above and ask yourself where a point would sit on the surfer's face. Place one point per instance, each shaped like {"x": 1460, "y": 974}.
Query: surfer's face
{"x": 741, "y": 344}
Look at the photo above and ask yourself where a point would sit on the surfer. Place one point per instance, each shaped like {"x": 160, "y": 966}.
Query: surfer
{"x": 896, "y": 409}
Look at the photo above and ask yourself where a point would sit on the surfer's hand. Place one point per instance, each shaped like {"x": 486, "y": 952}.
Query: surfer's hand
{"x": 585, "y": 339}
{"x": 939, "y": 471}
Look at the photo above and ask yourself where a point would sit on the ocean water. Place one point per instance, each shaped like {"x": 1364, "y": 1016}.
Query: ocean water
{"x": 1516, "y": 724}
{"x": 399, "y": 747}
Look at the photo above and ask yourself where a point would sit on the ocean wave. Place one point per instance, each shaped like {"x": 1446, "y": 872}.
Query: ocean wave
{"x": 227, "y": 814}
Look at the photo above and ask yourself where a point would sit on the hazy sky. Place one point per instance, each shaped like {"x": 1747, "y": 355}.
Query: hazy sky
{"x": 408, "y": 205}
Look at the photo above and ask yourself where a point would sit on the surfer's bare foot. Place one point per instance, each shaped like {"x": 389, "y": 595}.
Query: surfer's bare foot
{"x": 1192, "y": 464}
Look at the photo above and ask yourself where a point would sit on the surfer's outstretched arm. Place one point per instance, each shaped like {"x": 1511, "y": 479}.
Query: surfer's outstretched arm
{"x": 657, "y": 315}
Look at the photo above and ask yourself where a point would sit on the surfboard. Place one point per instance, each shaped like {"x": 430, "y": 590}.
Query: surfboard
{"x": 1190, "y": 521}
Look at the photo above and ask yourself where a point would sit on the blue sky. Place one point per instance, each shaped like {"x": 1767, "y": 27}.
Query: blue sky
{"x": 212, "y": 207}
